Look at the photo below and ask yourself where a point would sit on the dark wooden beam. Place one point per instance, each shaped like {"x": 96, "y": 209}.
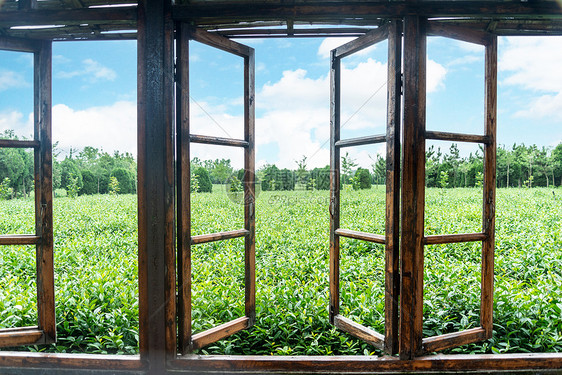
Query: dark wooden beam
{"x": 393, "y": 155}
{"x": 156, "y": 211}
{"x": 250, "y": 10}
{"x": 67, "y": 17}
{"x": 482, "y": 364}
{"x": 413, "y": 188}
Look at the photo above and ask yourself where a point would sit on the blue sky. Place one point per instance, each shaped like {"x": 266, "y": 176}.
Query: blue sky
{"x": 94, "y": 95}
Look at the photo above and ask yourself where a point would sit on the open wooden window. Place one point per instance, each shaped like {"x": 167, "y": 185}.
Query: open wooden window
{"x": 389, "y": 340}
{"x": 45, "y": 331}
{"x": 413, "y": 238}
{"x": 187, "y": 340}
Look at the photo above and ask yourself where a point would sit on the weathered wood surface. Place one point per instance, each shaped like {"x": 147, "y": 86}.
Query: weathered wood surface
{"x": 17, "y": 143}
{"x": 392, "y": 225}
{"x": 413, "y": 188}
{"x": 22, "y": 336}
{"x": 458, "y": 137}
{"x": 249, "y": 184}
{"x": 360, "y": 141}
{"x": 18, "y": 44}
{"x": 219, "y": 141}
{"x": 364, "y": 236}
{"x": 204, "y": 238}
{"x": 489, "y": 194}
{"x": 183, "y": 182}
{"x": 454, "y": 238}
{"x": 361, "y": 332}
{"x": 44, "y": 190}
{"x": 217, "y": 41}
{"x": 216, "y": 12}
{"x": 335, "y": 103}
{"x": 465, "y": 34}
{"x": 54, "y": 361}
{"x": 205, "y": 338}
{"x": 156, "y": 216}
{"x": 364, "y": 364}
{"x": 67, "y": 16}
{"x": 20, "y": 239}
{"x": 451, "y": 340}
{"x": 356, "y": 45}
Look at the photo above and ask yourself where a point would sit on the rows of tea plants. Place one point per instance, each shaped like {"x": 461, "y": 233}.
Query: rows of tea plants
{"x": 96, "y": 271}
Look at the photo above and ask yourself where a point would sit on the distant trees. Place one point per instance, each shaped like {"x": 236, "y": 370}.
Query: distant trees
{"x": 93, "y": 171}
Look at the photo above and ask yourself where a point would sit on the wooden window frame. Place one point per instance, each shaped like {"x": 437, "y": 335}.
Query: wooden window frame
{"x": 157, "y": 280}
{"x": 45, "y": 331}
{"x": 188, "y": 341}
{"x": 389, "y": 340}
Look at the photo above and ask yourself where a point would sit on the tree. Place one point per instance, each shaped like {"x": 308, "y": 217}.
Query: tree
{"x": 125, "y": 180}
{"x": 379, "y": 170}
{"x": 301, "y": 173}
{"x": 363, "y": 178}
{"x": 113, "y": 185}
{"x": 321, "y": 177}
{"x": 203, "y": 179}
{"x": 69, "y": 172}
{"x": 347, "y": 165}
{"x": 220, "y": 170}
{"x": 89, "y": 183}
{"x": 270, "y": 177}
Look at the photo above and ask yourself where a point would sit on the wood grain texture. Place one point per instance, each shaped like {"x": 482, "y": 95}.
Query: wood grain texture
{"x": 60, "y": 361}
{"x": 183, "y": 170}
{"x": 465, "y": 34}
{"x": 219, "y": 141}
{"x": 489, "y": 183}
{"x": 21, "y": 336}
{"x": 393, "y": 157}
{"x": 220, "y": 42}
{"x": 362, "y": 42}
{"x": 44, "y": 191}
{"x": 485, "y": 363}
{"x": 413, "y": 188}
{"x": 454, "y": 238}
{"x": 335, "y": 89}
{"x": 458, "y": 137}
{"x": 249, "y": 185}
{"x": 204, "y": 238}
{"x": 8, "y": 43}
{"x": 451, "y": 340}
{"x": 360, "y": 141}
{"x": 156, "y": 199}
{"x": 361, "y": 332}
{"x": 205, "y": 338}
{"x": 16, "y": 143}
{"x": 364, "y": 236}
{"x": 20, "y": 239}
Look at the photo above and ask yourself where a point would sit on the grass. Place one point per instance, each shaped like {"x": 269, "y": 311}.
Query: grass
{"x": 96, "y": 271}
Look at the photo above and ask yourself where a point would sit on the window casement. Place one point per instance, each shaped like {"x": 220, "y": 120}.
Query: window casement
{"x": 45, "y": 331}
{"x": 187, "y": 340}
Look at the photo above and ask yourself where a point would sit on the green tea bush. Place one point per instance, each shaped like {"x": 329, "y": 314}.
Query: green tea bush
{"x": 96, "y": 272}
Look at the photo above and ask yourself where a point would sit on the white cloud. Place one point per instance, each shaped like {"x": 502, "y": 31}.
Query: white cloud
{"x": 329, "y": 44}
{"x": 545, "y": 107}
{"x": 92, "y": 71}
{"x": 435, "y": 76}
{"x": 532, "y": 62}
{"x": 14, "y": 120}
{"x": 9, "y": 79}
{"x": 111, "y": 127}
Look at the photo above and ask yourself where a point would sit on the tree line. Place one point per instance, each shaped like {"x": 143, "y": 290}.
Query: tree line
{"x": 85, "y": 172}
{"x": 517, "y": 166}
{"x": 93, "y": 171}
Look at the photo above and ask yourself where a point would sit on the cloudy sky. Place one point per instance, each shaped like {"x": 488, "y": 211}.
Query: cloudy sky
{"x": 94, "y": 95}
